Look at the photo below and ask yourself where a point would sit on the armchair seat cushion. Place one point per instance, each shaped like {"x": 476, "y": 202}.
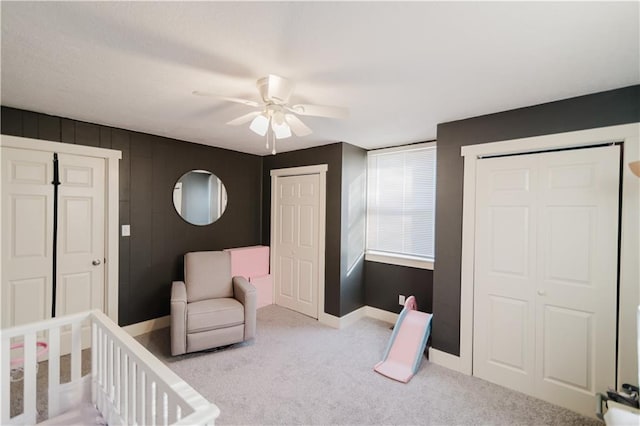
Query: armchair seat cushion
{"x": 212, "y": 314}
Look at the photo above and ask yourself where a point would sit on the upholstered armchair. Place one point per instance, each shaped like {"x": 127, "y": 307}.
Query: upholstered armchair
{"x": 210, "y": 308}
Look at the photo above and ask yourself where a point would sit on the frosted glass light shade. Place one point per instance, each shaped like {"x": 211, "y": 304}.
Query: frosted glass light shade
{"x": 260, "y": 124}
{"x": 281, "y": 131}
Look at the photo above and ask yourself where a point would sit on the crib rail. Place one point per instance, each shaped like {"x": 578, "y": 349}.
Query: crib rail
{"x": 128, "y": 385}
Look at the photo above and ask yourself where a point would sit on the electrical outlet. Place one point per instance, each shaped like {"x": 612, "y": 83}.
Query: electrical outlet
{"x": 401, "y": 299}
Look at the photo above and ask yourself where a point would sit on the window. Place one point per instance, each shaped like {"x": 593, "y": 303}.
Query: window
{"x": 401, "y": 188}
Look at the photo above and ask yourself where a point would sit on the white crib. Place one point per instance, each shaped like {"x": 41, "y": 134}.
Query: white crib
{"x": 127, "y": 384}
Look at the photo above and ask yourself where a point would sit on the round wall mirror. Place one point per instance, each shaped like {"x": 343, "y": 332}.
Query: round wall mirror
{"x": 199, "y": 197}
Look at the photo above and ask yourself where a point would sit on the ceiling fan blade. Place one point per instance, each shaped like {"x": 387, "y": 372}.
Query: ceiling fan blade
{"x": 298, "y": 127}
{"x": 244, "y": 118}
{"x": 320, "y": 111}
{"x": 226, "y": 98}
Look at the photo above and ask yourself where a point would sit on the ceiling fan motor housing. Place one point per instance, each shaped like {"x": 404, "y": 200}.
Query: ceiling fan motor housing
{"x": 275, "y": 89}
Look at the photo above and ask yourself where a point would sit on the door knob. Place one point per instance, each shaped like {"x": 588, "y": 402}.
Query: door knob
{"x": 96, "y": 262}
{"x": 542, "y": 293}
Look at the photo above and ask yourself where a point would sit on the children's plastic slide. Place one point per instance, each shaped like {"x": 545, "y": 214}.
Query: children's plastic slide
{"x": 406, "y": 346}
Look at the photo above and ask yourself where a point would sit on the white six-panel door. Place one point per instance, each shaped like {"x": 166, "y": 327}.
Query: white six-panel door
{"x": 27, "y": 250}
{"x": 546, "y": 273}
{"x": 27, "y": 235}
{"x": 297, "y": 200}
{"x": 80, "y": 282}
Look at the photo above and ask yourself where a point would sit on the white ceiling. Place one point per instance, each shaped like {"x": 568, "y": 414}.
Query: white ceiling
{"x": 401, "y": 68}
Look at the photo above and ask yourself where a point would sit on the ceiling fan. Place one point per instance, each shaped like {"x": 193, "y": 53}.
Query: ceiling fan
{"x": 276, "y": 115}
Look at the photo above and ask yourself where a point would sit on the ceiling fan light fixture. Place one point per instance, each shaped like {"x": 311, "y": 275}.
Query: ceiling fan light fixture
{"x": 281, "y": 131}
{"x": 260, "y": 124}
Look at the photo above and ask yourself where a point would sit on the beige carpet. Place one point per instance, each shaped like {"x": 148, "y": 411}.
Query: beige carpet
{"x": 298, "y": 371}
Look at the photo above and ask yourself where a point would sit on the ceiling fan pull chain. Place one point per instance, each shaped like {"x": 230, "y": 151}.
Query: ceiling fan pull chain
{"x": 273, "y": 152}
{"x": 267, "y": 146}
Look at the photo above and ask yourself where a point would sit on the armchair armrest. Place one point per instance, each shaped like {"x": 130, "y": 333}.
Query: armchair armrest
{"x": 178, "y": 318}
{"x": 245, "y": 293}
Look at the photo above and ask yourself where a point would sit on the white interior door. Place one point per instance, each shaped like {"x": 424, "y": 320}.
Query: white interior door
{"x": 81, "y": 216}
{"x": 296, "y": 243}
{"x": 27, "y": 248}
{"x": 546, "y": 274}
{"x": 27, "y": 229}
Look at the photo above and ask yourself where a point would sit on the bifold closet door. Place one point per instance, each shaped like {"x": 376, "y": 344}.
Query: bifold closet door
{"x": 27, "y": 235}
{"x": 27, "y": 226}
{"x": 81, "y": 225}
{"x": 546, "y": 273}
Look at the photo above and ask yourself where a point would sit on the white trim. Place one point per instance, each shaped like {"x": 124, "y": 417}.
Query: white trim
{"x": 66, "y": 148}
{"x": 148, "y": 326}
{"x": 627, "y": 133}
{"x": 304, "y": 170}
{"x": 111, "y": 204}
{"x": 321, "y": 171}
{"x": 412, "y": 147}
{"x": 446, "y": 360}
{"x": 381, "y": 314}
{"x": 342, "y": 322}
{"x": 401, "y": 260}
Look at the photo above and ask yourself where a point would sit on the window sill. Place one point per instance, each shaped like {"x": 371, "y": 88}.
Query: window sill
{"x": 412, "y": 262}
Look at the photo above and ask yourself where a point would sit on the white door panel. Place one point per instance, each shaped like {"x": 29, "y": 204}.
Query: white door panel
{"x": 80, "y": 234}
{"x": 505, "y": 281}
{"x": 27, "y": 247}
{"x": 546, "y": 273}
{"x": 296, "y": 243}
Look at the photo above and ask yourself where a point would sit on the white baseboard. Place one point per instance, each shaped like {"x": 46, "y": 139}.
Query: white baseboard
{"x": 447, "y": 360}
{"x": 381, "y": 314}
{"x": 342, "y": 322}
{"x": 148, "y": 326}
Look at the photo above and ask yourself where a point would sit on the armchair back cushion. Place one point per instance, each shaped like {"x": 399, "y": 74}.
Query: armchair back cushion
{"x": 207, "y": 275}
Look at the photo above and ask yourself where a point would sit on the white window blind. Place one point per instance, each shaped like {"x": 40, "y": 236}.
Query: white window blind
{"x": 401, "y": 188}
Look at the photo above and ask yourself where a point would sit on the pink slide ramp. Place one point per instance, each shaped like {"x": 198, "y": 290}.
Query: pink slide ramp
{"x": 406, "y": 346}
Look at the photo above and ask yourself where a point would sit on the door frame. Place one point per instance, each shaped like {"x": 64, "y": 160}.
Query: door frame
{"x": 112, "y": 195}
{"x": 321, "y": 171}
{"x": 629, "y": 136}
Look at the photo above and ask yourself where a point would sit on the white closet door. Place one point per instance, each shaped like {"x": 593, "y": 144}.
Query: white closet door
{"x": 27, "y": 235}
{"x": 296, "y": 243}
{"x": 545, "y": 274}
{"x": 577, "y": 276}
{"x": 504, "y": 333}
{"x": 27, "y": 227}
{"x": 81, "y": 211}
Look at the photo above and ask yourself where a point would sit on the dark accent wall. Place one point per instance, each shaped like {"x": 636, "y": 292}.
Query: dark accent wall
{"x": 385, "y": 282}
{"x": 609, "y": 108}
{"x": 152, "y": 257}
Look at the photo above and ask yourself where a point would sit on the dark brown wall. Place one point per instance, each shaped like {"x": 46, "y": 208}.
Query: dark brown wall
{"x": 597, "y": 110}
{"x": 152, "y": 257}
{"x": 331, "y": 155}
{"x": 384, "y": 283}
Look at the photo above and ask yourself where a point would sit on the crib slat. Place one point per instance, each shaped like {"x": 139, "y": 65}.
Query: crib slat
{"x": 5, "y": 373}
{"x": 142, "y": 385}
{"x": 124, "y": 384}
{"x": 110, "y": 365}
{"x": 94, "y": 362}
{"x": 133, "y": 395}
{"x": 29, "y": 381}
{"x": 117, "y": 401}
{"x": 54, "y": 372}
{"x": 151, "y": 400}
{"x": 76, "y": 351}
